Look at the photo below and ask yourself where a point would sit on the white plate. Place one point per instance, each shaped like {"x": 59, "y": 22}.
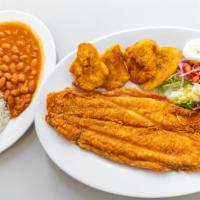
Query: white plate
{"x": 18, "y": 126}
{"x": 96, "y": 171}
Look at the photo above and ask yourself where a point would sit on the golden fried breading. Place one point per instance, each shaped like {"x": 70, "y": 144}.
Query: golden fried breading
{"x": 141, "y": 61}
{"x": 125, "y": 126}
{"x": 89, "y": 70}
{"x": 167, "y": 64}
{"x": 118, "y": 72}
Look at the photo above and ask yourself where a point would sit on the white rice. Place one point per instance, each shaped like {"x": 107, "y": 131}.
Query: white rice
{"x": 4, "y": 113}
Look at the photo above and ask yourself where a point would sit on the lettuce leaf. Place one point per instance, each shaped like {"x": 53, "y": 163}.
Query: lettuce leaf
{"x": 189, "y": 105}
{"x": 174, "y": 83}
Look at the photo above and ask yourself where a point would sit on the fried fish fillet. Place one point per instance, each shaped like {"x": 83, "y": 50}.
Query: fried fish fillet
{"x": 125, "y": 126}
{"x": 167, "y": 64}
{"x": 118, "y": 72}
{"x": 141, "y": 61}
{"x": 89, "y": 70}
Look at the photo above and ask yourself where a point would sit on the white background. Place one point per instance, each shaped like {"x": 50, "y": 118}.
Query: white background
{"x": 26, "y": 173}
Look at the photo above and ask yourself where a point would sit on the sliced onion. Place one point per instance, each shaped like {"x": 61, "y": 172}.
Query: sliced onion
{"x": 193, "y": 70}
{"x": 180, "y": 65}
{"x": 197, "y": 107}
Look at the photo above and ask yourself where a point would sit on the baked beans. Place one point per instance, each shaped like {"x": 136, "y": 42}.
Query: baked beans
{"x": 20, "y": 65}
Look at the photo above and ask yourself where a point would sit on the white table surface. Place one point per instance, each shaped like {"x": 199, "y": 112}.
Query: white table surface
{"x": 26, "y": 172}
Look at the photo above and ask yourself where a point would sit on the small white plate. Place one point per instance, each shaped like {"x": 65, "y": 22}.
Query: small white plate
{"x": 94, "y": 170}
{"x": 18, "y": 126}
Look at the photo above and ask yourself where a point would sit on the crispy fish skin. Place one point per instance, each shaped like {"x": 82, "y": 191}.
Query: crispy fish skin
{"x": 89, "y": 70}
{"x": 154, "y": 145}
{"x": 94, "y": 106}
{"x": 114, "y": 150}
{"x": 141, "y": 61}
{"x": 167, "y": 64}
{"x": 115, "y": 61}
{"x": 160, "y": 150}
{"x": 119, "y": 148}
{"x": 126, "y": 106}
{"x": 144, "y": 137}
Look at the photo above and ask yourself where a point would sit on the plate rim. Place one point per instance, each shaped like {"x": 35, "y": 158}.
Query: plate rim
{"x": 55, "y": 161}
{"x": 51, "y": 41}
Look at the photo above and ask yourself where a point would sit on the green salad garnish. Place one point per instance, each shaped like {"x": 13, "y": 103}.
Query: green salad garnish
{"x": 174, "y": 83}
{"x": 189, "y": 105}
{"x": 181, "y": 91}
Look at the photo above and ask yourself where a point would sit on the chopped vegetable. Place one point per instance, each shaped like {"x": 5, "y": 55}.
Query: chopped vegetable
{"x": 174, "y": 83}
{"x": 189, "y": 105}
{"x": 197, "y": 107}
{"x": 183, "y": 88}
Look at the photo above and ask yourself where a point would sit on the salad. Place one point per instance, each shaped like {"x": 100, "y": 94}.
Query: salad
{"x": 183, "y": 87}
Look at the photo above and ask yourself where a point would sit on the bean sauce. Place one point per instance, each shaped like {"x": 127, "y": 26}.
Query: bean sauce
{"x": 20, "y": 65}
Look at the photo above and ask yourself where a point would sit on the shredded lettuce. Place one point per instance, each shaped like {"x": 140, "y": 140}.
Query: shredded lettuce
{"x": 181, "y": 91}
{"x": 174, "y": 83}
{"x": 189, "y": 105}
{"x": 163, "y": 88}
